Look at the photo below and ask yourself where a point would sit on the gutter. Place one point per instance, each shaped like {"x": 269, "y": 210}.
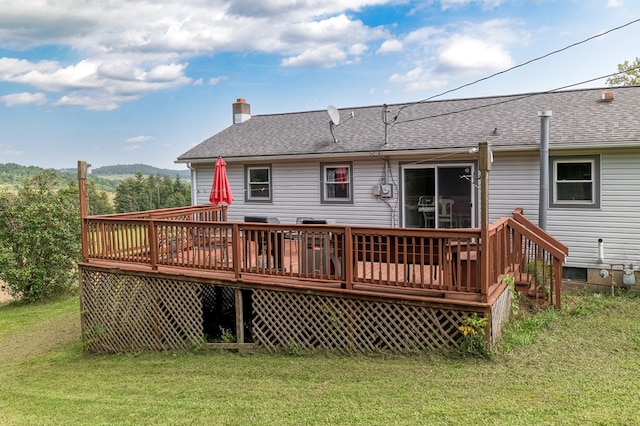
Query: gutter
{"x": 347, "y": 155}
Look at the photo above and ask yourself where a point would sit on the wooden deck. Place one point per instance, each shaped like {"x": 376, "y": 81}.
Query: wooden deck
{"x": 454, "y": 263}
{"x": 301, "y": 273}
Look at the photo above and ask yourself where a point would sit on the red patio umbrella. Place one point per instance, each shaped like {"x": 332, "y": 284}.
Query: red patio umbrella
{"x": 220, "y": 189}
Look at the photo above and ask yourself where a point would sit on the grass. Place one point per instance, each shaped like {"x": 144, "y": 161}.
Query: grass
{"x": 576, "y": 367}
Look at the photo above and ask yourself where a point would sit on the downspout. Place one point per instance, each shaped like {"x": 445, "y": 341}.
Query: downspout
{"x": 544, "y": 169}
{"x": 194, "y": 189}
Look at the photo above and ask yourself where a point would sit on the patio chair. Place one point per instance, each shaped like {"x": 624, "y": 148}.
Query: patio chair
{"x": 427, "y": 208}
{"x": 445, "y": 215}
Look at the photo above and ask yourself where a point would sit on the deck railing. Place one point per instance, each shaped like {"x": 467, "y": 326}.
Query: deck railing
{"x": 428, "y": 262}
{"x": 204, "y": 213}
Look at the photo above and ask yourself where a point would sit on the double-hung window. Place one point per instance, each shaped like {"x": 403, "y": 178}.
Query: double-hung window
{"x": 575, "y": 181}
{"x": 337, "y": 183}
{"x": 258, "y": 183}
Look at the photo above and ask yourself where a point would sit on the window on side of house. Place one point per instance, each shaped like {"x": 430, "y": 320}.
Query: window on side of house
{"x": 336, "y": 183}
{"x": 258, "y": 183}
{"x": 576, "y": 182}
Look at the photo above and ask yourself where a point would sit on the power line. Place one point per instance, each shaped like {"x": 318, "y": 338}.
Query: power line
{"x": 515, "y": 99}
{"x": 518, "y": 66}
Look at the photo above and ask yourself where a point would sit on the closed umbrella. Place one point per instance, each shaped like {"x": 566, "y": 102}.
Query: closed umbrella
{"x": 220, "y": 189}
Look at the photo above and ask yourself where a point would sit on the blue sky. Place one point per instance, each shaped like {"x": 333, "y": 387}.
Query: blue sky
{"x": 124, "y": 81}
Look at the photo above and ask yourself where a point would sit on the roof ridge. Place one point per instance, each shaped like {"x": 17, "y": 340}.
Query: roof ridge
{"x": 470, "y": 98}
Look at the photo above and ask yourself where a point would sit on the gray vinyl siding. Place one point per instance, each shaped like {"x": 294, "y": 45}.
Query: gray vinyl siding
{"x": 296, "y": 193}
{"x": 514, "y": 182}
{"x": 616, "y": 221}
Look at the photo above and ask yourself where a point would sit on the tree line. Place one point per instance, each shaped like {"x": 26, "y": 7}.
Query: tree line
{"x": 151, "y": 193}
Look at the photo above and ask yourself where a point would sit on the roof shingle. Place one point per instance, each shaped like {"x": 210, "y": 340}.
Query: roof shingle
{"x": 580, "y": 117}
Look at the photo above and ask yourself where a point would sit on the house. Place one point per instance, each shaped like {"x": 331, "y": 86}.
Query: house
{"x": 384, "y": 165}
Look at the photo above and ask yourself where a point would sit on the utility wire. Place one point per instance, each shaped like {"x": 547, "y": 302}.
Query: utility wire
{"x": 518, "y": 66}
{"x": 515, "y": 99}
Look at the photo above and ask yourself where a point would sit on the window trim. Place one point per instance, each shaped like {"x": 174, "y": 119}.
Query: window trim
{"x": 247, "y": 184}
{"x": 323, "y": 184}
{"x": 595, "y": 179}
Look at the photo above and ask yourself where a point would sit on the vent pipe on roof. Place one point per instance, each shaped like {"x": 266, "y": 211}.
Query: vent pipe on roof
{"x": 544, "y": 169}
{"x": 241, "y": 111}
{"x": 606, "y": 96}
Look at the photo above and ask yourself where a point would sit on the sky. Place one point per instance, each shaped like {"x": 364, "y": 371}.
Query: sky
{"x": 143, "y": 81}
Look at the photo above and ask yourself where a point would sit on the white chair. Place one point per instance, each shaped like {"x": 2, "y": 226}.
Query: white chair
{"x": 445, "y": 216}
{"x": 427, "y": 208}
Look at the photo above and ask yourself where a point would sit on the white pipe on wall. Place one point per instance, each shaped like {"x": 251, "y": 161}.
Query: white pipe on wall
{"x": 600, "y": 250}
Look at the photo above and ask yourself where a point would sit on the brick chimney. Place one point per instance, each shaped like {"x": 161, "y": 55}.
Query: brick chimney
{"x": 241, "y": 111}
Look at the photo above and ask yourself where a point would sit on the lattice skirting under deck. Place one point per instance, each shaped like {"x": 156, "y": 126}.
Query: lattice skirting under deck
{"x": 310, "y": 322}
{"x": 128, "y": 312}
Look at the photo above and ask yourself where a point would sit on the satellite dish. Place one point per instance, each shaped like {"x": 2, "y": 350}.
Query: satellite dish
{"x": 334, "y": 114}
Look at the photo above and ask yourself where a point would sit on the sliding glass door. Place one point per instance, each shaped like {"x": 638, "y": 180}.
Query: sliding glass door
{"x": 437, "y": 196}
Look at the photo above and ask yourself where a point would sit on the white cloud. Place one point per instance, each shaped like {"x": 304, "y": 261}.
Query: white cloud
{"x": 96, "y": 86}
{"x": 325, "y": 56}
{"x": 127, "y": 49}
{"x": 139, "y": 139}
{"x": 491, "y": 4}
{"x": 615, "y": 3}
{"x": 23, "y": 99}
{"x": 217, "y": 80}
{"x": 165, "y": 73}
{"x": 90, "y": 102}
{"x": 417, "y": 79}
{"x": 388, "y": 46}
{"x": 326, "y": 43}
{"x": 296, "y": 10}
{"x": 132, "y": 148}
{"x": 457, "y": 50}
{"x": 447, "y": 4}
{"x": 357, "y": 49}
{"x": 466, "y": 53}
{"x": 423, "y": 35}
{"x": 333, "y": 30}
{"x": 486, "y": 4}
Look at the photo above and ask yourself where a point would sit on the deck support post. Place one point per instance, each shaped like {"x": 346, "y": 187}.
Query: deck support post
{"x": 484, "y": 164}
{"x": 239, "y": 316}
{"x": 348, "y": 259}
{"x": 235, "y": 250}
{"x": 83, "y": 169}
{"x": 153, "y": 244}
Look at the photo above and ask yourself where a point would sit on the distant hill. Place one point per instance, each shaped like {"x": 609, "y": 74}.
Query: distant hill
{"x": 106, "y": 178}
{"x": 132, "y": 169}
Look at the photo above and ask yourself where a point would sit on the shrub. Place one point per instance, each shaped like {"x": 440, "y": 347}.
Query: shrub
{"x": 39, "y": 239}
{"x": 473, "y": 336}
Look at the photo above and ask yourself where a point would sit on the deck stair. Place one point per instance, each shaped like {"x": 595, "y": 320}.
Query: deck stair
{"x": 526, "y": 284}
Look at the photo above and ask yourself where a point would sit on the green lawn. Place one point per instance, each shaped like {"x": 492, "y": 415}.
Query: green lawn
{"x": 580, "y": 367}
